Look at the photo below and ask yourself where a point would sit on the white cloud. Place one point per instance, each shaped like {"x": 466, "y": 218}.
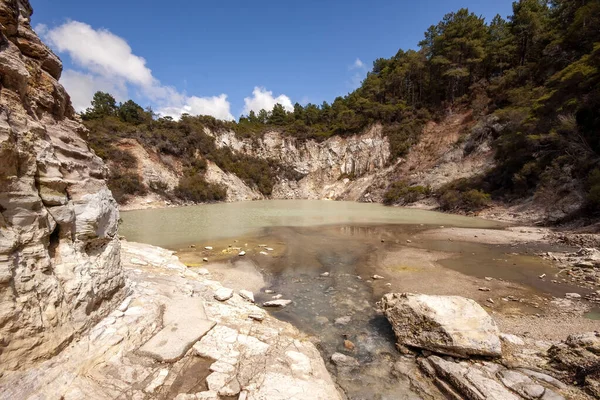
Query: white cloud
{"x": 358, "y": 64}
{"x": 100, "y": 52}
{"x": 109, "y": 64}
{"x": 81, "y": 87}
{"x": 262, "y": 99}
{"x": 217, "y": 106}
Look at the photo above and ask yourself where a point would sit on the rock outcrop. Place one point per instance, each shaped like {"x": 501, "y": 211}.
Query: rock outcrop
{"x": 449, "y": 325}
{"x": 579, "y": 357}
{"x": 59, "y": 253}
{"x": 171, "y": 339}
{"x": 340, "y": 168}
{"x": 529, "y": 369}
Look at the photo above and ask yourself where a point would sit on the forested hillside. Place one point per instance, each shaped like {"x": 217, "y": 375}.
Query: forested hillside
{"x": 537, "y": 73}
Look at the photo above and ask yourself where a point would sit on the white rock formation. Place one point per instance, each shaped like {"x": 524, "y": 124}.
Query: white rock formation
{"x": 450, "y": 325}
{"x": 362, "y": 157}
{"x": 172, "y": 317}
{"x": 59, "y": 254}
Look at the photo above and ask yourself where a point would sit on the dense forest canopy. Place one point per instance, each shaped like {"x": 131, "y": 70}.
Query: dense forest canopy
{"x": 538, "y": 72}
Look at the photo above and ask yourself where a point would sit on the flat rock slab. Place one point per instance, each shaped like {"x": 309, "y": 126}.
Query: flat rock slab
{"x": 172, "y": 342}
{"x": 184, "y": 323}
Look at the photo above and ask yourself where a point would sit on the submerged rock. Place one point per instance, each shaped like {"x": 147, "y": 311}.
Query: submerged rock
{"x": 277, "y": 303}
{"x": 449, "y": 325}
{"x": 342, "y": 360}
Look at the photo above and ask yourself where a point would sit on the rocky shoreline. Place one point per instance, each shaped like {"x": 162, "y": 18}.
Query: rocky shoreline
{"x": 170, "y": 338}
{"x": 177, "y": 336}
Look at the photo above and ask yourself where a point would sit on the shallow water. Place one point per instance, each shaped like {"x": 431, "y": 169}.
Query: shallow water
{"x": 185, "y": 225}
{"x": 347, "y": 240}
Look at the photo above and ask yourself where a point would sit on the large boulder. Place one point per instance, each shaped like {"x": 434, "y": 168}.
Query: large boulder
{"x": 449, "y": 325}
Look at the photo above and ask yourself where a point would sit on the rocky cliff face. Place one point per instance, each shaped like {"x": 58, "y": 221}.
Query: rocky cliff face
{"x": 339, "y": 168}
{"x": 59, "y": 253}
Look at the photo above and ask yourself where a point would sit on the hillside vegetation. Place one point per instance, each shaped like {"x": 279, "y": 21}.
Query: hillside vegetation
{"x": 536, "y": 72}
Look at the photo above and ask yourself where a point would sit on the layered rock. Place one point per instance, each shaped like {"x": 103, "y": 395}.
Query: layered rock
{"x": 339, "y": 168}
{"x": 59, "y": 253}
{"x": 449, "y": 325}
{"x": 172, "y": 339}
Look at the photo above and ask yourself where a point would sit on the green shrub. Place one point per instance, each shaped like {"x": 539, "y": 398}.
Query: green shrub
{"x": 159, "y": 187}
{"x": 195, "y": 188}
{"x": 470, "y": 200}
{"x": 593, "y": 184}
{"x": 400, "y": 193}
{"x": 123, "y": 185}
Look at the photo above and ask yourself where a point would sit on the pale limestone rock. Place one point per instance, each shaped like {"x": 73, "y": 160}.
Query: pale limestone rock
{"x": 247, "y": 295}
{"x": 443, "y": 324}
{"x": 521, "y": 384}
{"x": 471, "y": 382}
{"x": 223, "y": 294}
{"x": 267, "y": 360}
{"x": 320, "y": 164}
{"x": 60, "y": 267}
{"x": 277, "y": 303}
{"x": 157, "y": 381}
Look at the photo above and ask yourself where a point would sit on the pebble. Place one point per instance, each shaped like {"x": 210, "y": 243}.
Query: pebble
{"x": 208, "y": 248}
{"x": 269, "y": 249}
{"x": 408, "y": 241}
{"x": 269, "y": 291}
{"x": 343, "y": 320}
{"x": 242, "y": 253}
{"x": 205, "y": 259}
{"x": 223, "y": 294}
{"x": 573, "y": 296}
{"x": 484, "y": 289}
{"x": 487, "y": 278}
{"x": 257, "y": 316}
{"x": 277, "y": 297}
{"x": 490, "y": 301}
{"x": 325, "y": 274}
{"x": 264, "y": 253}
{"x": 377, "y": 277}
{"x": 349, "y": 345}
{"x": 542, "y": 276}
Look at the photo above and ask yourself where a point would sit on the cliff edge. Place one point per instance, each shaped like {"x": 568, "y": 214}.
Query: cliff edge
{"x": 60, "y": 268}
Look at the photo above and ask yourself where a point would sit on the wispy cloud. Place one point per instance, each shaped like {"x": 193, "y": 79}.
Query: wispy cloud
{"x": 358, "y": 64}
{"x": 359, "y": 71}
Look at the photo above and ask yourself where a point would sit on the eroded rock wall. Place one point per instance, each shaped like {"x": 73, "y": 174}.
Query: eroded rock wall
{"x": 59, "y": 252}
{"x": 338, "y": 168}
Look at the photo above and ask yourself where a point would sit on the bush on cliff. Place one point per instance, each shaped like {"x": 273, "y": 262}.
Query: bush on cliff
{"x": 195, "y": 188}
{"x": 401, "y": 193}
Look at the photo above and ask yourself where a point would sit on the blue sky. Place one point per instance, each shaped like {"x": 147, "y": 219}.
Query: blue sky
{"x": 208, "y": 56}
